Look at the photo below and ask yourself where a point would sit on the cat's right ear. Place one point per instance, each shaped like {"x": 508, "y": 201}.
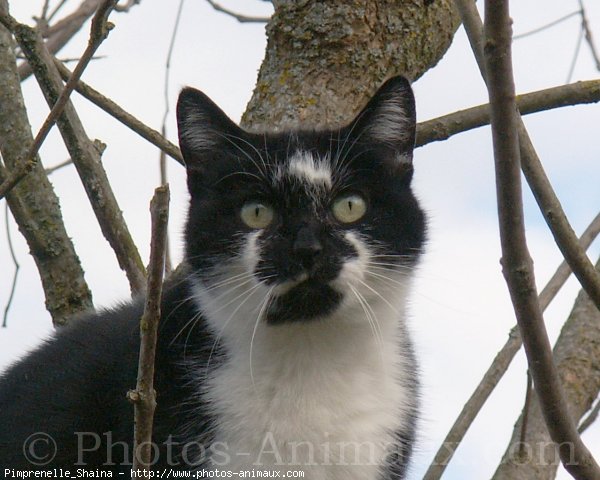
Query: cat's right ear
{"x": 205, "y": 132}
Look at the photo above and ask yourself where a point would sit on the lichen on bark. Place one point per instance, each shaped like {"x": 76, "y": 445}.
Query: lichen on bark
{"x": 324, "y": 59}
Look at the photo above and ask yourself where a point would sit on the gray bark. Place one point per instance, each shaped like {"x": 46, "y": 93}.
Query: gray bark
{"x": 325, "y": 59}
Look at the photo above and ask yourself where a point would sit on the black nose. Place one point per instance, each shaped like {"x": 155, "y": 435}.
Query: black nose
{"x": 307, "y": 246}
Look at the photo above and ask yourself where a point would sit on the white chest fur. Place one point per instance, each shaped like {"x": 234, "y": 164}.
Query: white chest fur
{"x": 324, "y": 396}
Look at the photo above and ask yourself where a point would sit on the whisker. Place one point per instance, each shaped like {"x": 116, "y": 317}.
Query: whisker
{"x": 379, "y": 295}
{"x": 264, "y": 306}
{"x": 371, "y": 318}
{"x": 251, "y": 291}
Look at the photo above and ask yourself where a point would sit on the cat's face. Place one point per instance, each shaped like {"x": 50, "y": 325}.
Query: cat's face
{"x": 311, "y": 220}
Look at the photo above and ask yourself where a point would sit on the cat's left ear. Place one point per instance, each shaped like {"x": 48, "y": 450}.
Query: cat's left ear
{"x": 388, "y": 119}
{"x": 205, "y": 131}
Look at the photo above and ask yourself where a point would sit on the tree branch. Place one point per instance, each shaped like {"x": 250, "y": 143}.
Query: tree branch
{"x": 516, "y": 262}
{"x": 144, "y": 396}
{"x": 98, "y": 34}
{"x": 500, "y": 365}
{"x": 110, "y": 107}
{"x": 547, "y": 201}
{"x": 590, "y": 419}
{"x": 444, "y": 127}
{"x": 86, "y": 157}
{"x": 239, "y": 17}
{"x": 577, "y": 356}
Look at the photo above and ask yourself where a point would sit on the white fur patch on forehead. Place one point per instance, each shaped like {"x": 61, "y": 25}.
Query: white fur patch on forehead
{"x": 306, "y": 168}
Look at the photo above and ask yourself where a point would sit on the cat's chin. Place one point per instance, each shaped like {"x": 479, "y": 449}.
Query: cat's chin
{"x": 308, "y": 300}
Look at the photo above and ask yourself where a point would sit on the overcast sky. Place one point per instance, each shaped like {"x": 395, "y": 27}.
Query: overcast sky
{"x": 460, "y": 310}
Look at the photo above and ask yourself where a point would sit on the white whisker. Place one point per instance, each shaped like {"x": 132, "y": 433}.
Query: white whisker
{"x": 263, "y": 308}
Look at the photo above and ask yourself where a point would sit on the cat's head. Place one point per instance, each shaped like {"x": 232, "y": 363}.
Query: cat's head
{"x": 305, "y": 221}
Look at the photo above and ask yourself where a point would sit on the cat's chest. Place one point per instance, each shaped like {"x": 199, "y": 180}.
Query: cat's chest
{"x": 326, "y": 404}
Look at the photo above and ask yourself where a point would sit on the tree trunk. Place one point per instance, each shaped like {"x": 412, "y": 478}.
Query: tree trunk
{"x": 577, "y": 355}
{"x": 325, "y": 59}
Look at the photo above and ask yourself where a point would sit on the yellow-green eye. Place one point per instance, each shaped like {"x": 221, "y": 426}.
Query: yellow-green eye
{"x": 349, "y": 208}
{"x": 256, "y": 214}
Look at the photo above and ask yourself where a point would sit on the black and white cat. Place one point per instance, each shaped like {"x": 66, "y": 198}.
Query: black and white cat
{"x": 282, "y": 345}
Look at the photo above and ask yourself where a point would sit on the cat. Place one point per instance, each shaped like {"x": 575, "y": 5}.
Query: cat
{"x": 282, "y": 342}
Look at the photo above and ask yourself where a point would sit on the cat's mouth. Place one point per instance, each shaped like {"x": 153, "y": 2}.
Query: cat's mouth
{"x": 305, "y": 298}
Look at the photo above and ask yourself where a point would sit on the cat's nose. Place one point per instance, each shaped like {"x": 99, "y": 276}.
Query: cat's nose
{"x": 307, "y": 246}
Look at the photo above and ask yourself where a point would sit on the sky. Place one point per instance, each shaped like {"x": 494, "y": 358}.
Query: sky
{"x": 460, "y": 309}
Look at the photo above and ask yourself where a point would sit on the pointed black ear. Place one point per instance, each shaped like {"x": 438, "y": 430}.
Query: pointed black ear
{"x": 205, "y": 131}
{"x": 389, "y": 119}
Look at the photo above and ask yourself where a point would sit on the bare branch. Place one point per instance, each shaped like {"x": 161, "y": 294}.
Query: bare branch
{"x": 590, "y": 419}
{"x": 144, "y": 396}
{"x": 110, "y": 107}
{"x": 86, "y": 157}
{"x": 547, "y": 26}
{"x": 500, "y": 365}
{"x": 162, "y": 159}
{"x": 16, "y": 271}
{"x": 588, "y": 35}
{"x": 516, "y": 262}
{"x": 239, "y": 17}
{"x": 58, "y": 166}
{"x": 547, "y": 201}
{"x": 577, "y": 356}
{"x": 98, "y": 34}
{"x": 575, "y": 56}
{"x": 444, "y": 127}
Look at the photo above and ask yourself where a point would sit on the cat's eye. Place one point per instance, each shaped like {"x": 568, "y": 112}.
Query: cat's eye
{"x": 349, "y": 208}
{"x": 256, "y": 214}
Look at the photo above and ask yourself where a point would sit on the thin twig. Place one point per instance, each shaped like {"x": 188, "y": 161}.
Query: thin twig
{"x": 238, "y": 16}
{"x": 15, "y": 263}
{"x": 575, "y": 56}
{"x": 56, "y": 9}
{"x": 500, "y": 365}
{"x": 516, "y": 262}
{"x": 144, "y": 396}
{"x": 162, "y": 160}
{"x": 58, "y": 166}
{"x": 590, "y": 419}
{"x": 444, "y": 127}
{"x": 547, "y": 26}
{"x": 588, "y": 36}
{"x": 44, "y": 14}
{"x": 110, "y": 107}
